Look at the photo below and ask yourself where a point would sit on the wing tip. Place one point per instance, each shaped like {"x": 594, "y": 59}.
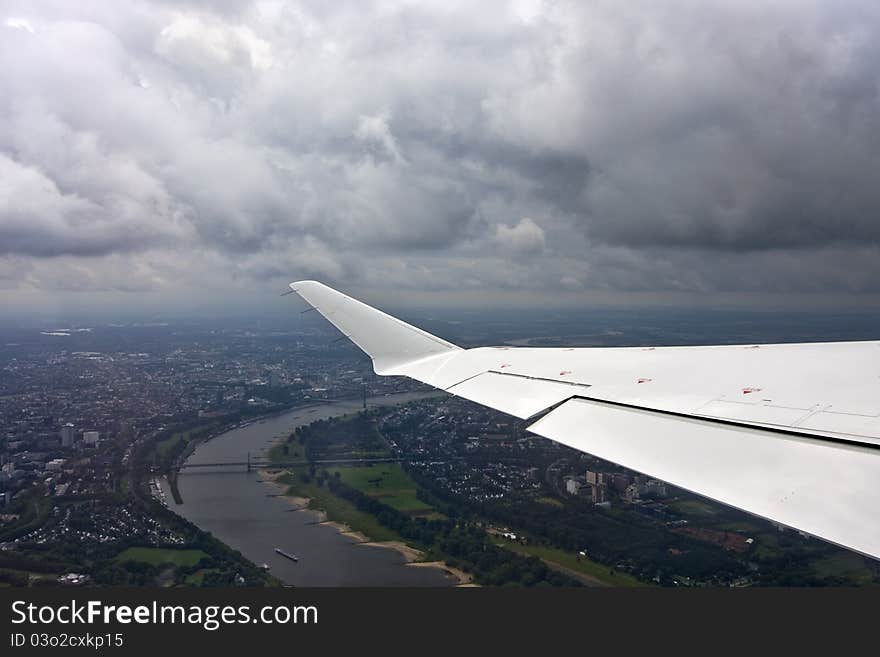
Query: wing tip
{"x": 306, "y": 286}
{"x": 304, "y": 283}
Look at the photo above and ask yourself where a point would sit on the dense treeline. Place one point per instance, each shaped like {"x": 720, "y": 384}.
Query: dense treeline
{"x": 347, "y": 436}
{"x": 13, "y": 578}
{"x": 15, "y": 560}
{"x": 33, "y": 508}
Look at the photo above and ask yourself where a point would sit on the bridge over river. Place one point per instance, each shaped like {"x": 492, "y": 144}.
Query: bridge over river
{"x": 262, "y": 464}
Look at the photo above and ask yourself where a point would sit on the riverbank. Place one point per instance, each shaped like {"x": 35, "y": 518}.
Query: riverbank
{"x": 413, "y": 557}
{"x": 464, "y": 579}
{"x": 255, "y": 519}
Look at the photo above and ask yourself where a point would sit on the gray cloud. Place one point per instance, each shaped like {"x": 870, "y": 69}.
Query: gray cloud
{"x": 526, "y": 237}
{"x": 561, "y": 148}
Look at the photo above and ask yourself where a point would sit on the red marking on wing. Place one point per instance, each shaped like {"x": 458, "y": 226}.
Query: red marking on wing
{"x": 564, "y": 372}
{"x": 643, "y": 380}
{"x": 505, "y": 365}
{"x": 748, "y": 391}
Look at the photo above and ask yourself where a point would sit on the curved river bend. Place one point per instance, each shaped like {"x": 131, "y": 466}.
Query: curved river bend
{"x": 243, "y": 512}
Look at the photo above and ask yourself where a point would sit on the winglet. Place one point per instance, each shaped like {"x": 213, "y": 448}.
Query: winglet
{"x": 388, "y": 341}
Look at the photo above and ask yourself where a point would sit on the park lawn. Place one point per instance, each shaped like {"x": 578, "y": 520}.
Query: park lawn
{"x": 338, "y": 509}
{"x": 847, "y": 565}
{"x": 407, "y": 502}
{"x": 694, "y": 508}
{"x": 382, "y": 477}
{"x": 571, "y": 561}
{"x": 158, "y": 556}
{"x": 387, "y": 482}
{"x": 548, "y": 501}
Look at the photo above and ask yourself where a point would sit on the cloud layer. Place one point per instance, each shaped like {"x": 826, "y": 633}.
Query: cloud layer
{"x": 555, "y": 148}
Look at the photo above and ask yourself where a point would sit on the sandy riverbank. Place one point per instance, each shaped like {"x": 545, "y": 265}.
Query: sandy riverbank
{"x": 464, "y": 579}
{"x": 345, "y": 530}
{"x": 410, "y": 554}
{"x": 271, "y": 479}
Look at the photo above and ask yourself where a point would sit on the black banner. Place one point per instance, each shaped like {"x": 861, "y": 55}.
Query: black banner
{"x": 131, "y": 621}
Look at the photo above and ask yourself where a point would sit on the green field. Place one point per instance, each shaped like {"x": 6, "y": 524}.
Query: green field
{"x": 847, "y": 565}
{"x": 352, "y": 436}
{"x": 338, "y": 509}
{"x": 158, "y": 556}
{"x": 570, "y": 560}
{"x": 387, "y": 482}
{"x": 694, "y": 508}
{"x": 198, "y": 577}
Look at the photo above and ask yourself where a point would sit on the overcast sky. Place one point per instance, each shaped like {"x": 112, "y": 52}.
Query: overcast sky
{"x": 168, "y": 153}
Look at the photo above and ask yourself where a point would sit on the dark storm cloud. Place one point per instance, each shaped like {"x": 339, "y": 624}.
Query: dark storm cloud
{"x": 729, "y": 128}
{"x": 584, "y": 146}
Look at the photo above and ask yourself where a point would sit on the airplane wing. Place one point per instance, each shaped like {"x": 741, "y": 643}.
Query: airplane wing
{"x": 789, "y": 432}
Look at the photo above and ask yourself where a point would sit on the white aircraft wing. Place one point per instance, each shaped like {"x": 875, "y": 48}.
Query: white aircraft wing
{"x": 789, "y": 432}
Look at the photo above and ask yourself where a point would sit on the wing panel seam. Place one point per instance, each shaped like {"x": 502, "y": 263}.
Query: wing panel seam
{"x": 731, "y": 423}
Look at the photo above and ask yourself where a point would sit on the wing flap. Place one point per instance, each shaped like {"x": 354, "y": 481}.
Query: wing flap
{"x": 519, "y": 396}
{"x": 863, "y": 426}
{"x": 752, "y": 413}
{"x": 823, "y": 488}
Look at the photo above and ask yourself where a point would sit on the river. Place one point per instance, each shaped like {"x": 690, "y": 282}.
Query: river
{"x": 243, "y": 512}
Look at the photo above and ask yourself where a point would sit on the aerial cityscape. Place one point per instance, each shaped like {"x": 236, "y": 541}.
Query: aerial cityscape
{"x": 368, "y": 325}
{"x": 117, "y": 440}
